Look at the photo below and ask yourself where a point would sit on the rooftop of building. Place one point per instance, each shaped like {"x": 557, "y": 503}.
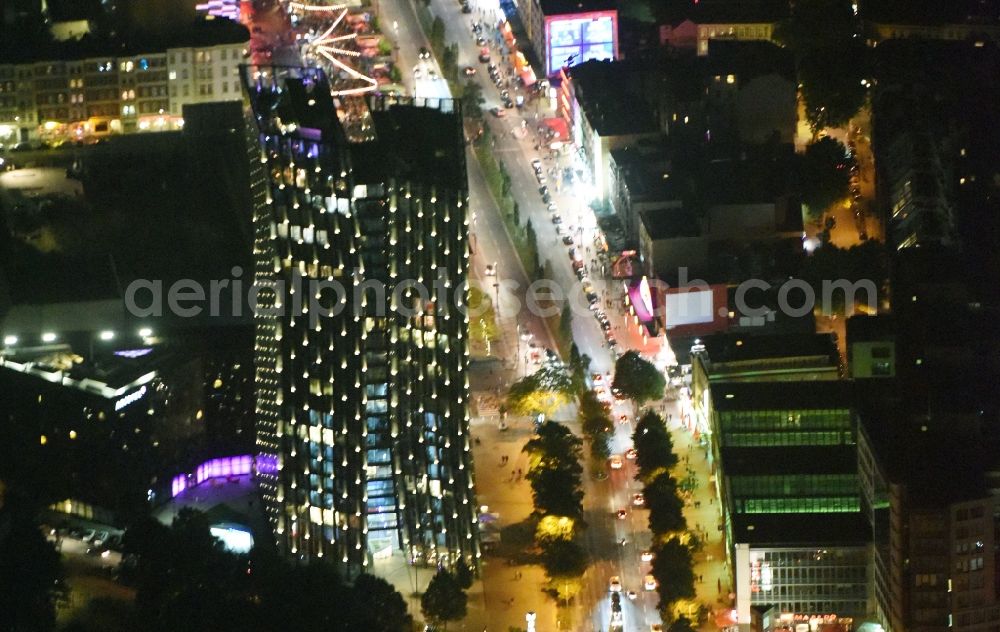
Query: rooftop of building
{"x": 107, "y": 369}
{"x": 865, "y": 328}
{"x": 611, "y": 112}
{"x": 810, "y": 395}
{"x": 138, "y": 216}
{"x": 931, "y": 11}
{"x": 807, "y": 529}
{"x": 646, "y": 168}
{"x": 421, "y": 144}
{"x": 670, "y": 223}
{"x": 725, "y": 11}
{"x": 938, "y": 460}
{"x": 740, "y": 348}
{"x": 196, "y": 33}
{"x": 565, "y": 7}
{"x": 748, "y": 60}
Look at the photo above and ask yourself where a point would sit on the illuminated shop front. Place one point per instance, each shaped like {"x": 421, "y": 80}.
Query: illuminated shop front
{"x": 811, "y": 588}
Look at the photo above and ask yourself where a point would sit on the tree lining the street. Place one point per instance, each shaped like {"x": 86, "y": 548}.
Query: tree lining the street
{"x": 654, "y": 447}
{"x": 444, "y": 600}
{"x": 666, "y": 509}
{"x": 673, "y": 570}
{"x": 554, "y": 471}
{"x": 831, "y": 59}
{"x": 825, "y": 174}
{"x": 638, "y": 379}
{"x": 543, "y": 392}
{"x": 597, "y": 426}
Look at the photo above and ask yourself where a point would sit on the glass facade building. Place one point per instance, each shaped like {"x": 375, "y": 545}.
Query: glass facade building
{"x": 362, "y": 354}
{"x": 788, "y": 476}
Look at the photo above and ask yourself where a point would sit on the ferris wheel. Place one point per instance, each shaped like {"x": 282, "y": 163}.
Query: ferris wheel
{"x": 330, "y": 42}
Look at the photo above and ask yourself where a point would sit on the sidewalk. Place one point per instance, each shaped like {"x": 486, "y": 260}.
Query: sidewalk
{"x": 704, "y": 515}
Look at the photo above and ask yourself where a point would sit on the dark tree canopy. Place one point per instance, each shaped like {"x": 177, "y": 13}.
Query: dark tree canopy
{"x": 666, "y": 510}
{"x": 672, "y": 568}
{"x": 554, "y": 471}
{"x": 638, "y": 379}
{"x": 30, "y": 569}
{"x": 444, "y": 600}
{"x": 564, "y": 558}
{"x": 654, "y": 447}
{"x": 825, "y": 174}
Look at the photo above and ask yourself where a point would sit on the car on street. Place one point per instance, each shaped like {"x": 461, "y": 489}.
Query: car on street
{"x": 638, "y": 500}
{"x": 649, "y": 583}
{"x": 466, "y": 8}
{"x": 630, "y": 454}
{"x": 553, "y": 208}
{"x": 596, "y": 378}
{"x": 507, "y": 103}
{"x": 497, "y": 112}
{"x": 484, "y": 55}
{"x": 536, "y": 164}
{"x": 616, "y": 462}
{"x": 469, "y": 71}
{"x": 556, "y": 219}
{"x": 477, "y": 28}
{"x": 622, "y": 513}
{"x": 490, "y": 270}
{"x": 623, "y": 418}
{"x": 567, "y": 239}
{"x": 615, "y": 584}
{"x": 424, "y": 53}
{"x": 541, "y": 179}
{"x": 547, "y": 198}
{"x": 632, "y": 595}
{"x": 480, "y": 41}
{"x": 646, "y": 556}
{"x": 655, "y": 627}
{"x": 543, "y": 190}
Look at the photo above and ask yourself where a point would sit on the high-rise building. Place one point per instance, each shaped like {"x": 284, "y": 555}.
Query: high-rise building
{"x": 362, "y": 393}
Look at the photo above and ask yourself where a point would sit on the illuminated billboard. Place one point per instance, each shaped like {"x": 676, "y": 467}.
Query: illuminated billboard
{"x": 579, "y": 37}
{"x": 690, "y": 310}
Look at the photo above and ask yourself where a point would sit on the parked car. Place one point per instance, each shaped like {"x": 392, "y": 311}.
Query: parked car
{"x": 616, "y": 462}
{"x": 469, "y": 71}
{"x": 424, "y": 53}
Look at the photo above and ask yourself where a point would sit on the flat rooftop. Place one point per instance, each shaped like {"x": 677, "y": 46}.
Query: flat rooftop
{"x": 804, "y": 395}
{"x": 564, "y": 7}
{"x": 728, "y": 347}
{"x": 413, "y": 142}
{"x": 101, "y": 369}
{"x": 801, "y": 530}
{"x": 611, "y": 112}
